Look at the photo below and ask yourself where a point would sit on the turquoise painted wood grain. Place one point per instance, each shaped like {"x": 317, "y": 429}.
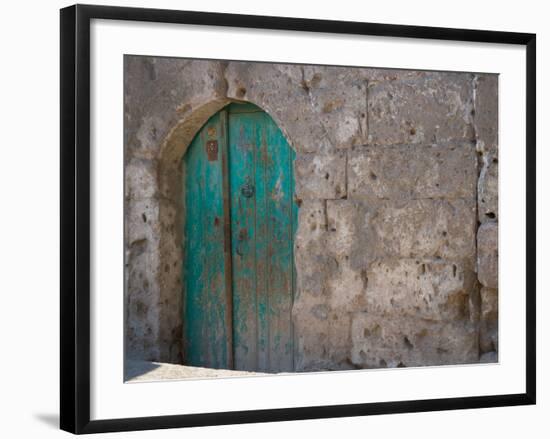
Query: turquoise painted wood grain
{"x": 205, "y": 304}
{"x": 263, "y": 218}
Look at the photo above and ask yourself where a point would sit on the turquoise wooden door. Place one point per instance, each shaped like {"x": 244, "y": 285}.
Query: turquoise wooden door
{"x": 240, "y": 220}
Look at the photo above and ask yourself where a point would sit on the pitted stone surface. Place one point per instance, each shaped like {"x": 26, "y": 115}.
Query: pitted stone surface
{"x": 382, "y": 341}
{"x": 310, "y": 250}
{"x": 278, "y": 89}
{"x": 412, "y": 172}
{"x": 427, "y": 289}
{"x": 141, "y": 179}
{"x": 486, "y": 112}
{"x": 320, "y": 176}
{"x": 417, "y": 228}
{"x": 337, "y": 96}
{"x": 487, "y": 254}
{"x": 142, "y": 222}
{"x": 339, "y": 340}
{"x": 142, "y": 265}
{"x": 347, "y": 226}
{"x": 422, "y": 107}
{"x": 488, "y": 190}
{"x": 347, "y": 288}
{"x": 158, "y": 92}
{"x": 488, "y": 337}
{"x": 318, "y": 108}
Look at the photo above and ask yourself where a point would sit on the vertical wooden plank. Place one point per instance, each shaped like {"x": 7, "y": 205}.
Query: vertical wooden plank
{"x": 277, "y": 160}
{"x": 224, "y": 152}
{"x": 294, "y": 208}
{"x": 262, "y": 240}
{"x": 204, "y": 270}
{"x": 242, "y": 153}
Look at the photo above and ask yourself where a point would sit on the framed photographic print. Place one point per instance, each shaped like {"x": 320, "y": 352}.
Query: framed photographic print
{"x": 268, "y": 218}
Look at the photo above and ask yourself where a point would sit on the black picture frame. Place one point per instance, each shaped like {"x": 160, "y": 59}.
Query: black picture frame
{"x": 75, "y": 217}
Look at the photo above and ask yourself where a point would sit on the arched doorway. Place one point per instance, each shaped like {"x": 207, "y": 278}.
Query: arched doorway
{"x": 239, "y": 224}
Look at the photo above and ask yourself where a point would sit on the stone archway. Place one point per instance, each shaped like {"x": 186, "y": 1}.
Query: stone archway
{"x": 171, "y": 211}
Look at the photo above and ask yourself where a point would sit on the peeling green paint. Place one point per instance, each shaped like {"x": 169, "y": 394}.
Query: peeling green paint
{"x": 263, "y": 218}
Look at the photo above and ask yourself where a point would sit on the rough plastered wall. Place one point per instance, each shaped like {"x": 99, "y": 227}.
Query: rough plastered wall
{"x": 396, "y": 176}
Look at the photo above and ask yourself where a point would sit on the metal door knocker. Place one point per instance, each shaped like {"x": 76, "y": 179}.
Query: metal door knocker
{"x": 247, "y": 189}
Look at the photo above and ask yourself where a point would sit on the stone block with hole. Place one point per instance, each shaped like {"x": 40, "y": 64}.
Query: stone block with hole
{"x": 488, "y": 190}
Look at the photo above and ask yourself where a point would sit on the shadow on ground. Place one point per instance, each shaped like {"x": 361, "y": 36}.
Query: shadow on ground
{"x": 49, "y": 419}
{"x": 136, "y": 368}
{"x": 139, "y": 370}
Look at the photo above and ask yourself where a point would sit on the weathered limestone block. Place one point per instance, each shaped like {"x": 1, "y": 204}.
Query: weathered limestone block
{"x": 339, "y": 338}
{"x": 141, "y": 319}
{"x": 159, "y": 91}
{"x": 310, "y": 319}
{"x": 346, "y": 288}
{"x": 339, "y": 96}
{"x": 142, "y": 260}
{"x": 346, "y": 228}
{"x": 142, "y": 220}
{"x": 140, "y": 179}
{"x": 363, "y": 232}
{"x": 323, "y": 338}
{"x": 350, "y": 234}
{"x": 486, "y": 112}
{"x": 488, "y": 190}
{"x": 487, "y": 254}
{"x": 153, "y": 261}
{"x": 423, "y": 228}
{"x": 320, "y": 176}
{"x": 412, "y": 171}
{"x": 385, "y": 341}
{"x": 488, "y": 336}
{"x": 423, "y": 107}
{"x": 425, "y": 289}
{"x": 312, "y": 221}
{"x": 170, "y": 283}
{"x": 345, "y": 225}
{"x": 314, "y": 265}
{"x": 318, "y": 108}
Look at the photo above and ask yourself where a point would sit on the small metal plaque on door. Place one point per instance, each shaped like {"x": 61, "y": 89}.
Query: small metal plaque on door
{"x": 212, "y": 150}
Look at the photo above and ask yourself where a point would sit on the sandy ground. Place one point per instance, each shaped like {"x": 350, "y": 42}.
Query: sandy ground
{"x": 138, "y": 370}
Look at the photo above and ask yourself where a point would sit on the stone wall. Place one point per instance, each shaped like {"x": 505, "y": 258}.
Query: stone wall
{"x": 396, "y": 177}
